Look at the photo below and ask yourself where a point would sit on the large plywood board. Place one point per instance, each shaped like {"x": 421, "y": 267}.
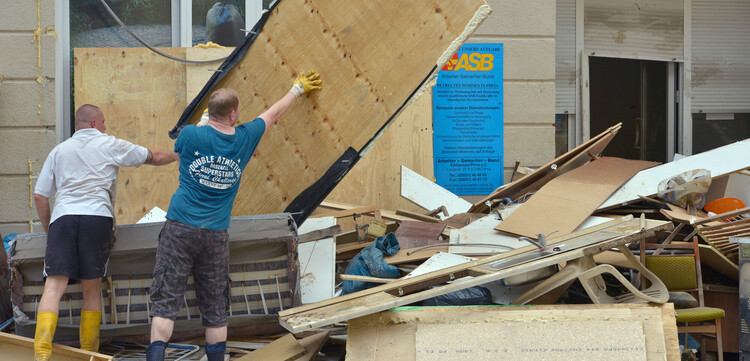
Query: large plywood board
{"x": 376, "y": 178}
{"x": 554, "y": 332}
{"x": 141, "y": 95}
{"x": 372, "y": 57}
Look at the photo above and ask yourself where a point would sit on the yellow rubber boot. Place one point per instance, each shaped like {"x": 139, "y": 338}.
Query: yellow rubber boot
{"x": 89, "y": 330}
{"x": 45, "y": 332}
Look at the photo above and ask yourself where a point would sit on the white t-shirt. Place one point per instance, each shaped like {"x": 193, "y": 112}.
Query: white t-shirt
{"x": 83, "y": 172}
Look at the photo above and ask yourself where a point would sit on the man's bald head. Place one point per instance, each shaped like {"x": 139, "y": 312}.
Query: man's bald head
{"x": 222, "y": 102}
{"x": 89, "y": 116}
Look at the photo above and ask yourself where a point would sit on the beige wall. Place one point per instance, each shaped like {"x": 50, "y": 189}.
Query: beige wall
{"x": 27, "y": 105}
{"x": 527, "y": 30}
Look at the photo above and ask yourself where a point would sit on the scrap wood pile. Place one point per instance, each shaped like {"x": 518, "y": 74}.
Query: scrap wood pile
{"x": 578, "y": 230}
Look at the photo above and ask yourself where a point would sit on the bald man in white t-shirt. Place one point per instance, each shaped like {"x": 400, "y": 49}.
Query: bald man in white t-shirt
{"x": 82, "y": 173}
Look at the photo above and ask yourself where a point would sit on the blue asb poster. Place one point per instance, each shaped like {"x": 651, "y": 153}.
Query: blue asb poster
{"x": 467, "y": 104}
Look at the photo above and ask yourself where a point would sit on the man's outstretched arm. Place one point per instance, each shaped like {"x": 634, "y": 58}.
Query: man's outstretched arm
{"x": 161, "y": 157}
{"x": 303, "y": 84}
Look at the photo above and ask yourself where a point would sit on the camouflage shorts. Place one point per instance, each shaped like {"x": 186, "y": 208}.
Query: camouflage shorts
{"x": 183, "y": 251}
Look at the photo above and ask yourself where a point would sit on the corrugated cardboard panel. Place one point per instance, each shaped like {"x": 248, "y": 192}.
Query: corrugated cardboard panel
{"x": 565, "y": 202}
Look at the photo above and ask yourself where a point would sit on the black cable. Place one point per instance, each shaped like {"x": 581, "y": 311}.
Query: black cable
{"x": 112, "y": 13}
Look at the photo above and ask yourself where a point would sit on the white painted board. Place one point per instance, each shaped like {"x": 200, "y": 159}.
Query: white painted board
{"x": 154, "y": 215}
{"x": 727, "y": 159}
{"x": 441, "y": 260}
{"x": 317, "y": 262}
{"x": 428, "y": 195}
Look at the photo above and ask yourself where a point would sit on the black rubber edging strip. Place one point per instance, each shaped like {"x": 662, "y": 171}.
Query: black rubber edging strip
{"x": 306, "y": 202}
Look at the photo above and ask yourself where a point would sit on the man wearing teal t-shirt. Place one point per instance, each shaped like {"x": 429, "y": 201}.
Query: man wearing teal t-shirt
{"x": 194, "y": 239}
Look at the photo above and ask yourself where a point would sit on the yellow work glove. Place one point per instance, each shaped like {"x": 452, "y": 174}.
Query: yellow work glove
{"x": 305, "y": 83}
{"x": 204, "y": 119}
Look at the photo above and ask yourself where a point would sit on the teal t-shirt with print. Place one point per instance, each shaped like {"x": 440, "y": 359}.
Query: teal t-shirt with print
{"x": 211, "y": 165}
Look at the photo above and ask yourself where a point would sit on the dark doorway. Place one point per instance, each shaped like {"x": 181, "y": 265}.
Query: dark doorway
{"x": 634, "y": 93}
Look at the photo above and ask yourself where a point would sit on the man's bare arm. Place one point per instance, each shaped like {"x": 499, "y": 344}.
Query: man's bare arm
{"x": 43, "y": 210}
{"x": 161, "y": 157}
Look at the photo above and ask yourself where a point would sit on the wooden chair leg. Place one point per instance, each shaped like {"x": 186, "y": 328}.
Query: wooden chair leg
{"x": 719, "y": 345}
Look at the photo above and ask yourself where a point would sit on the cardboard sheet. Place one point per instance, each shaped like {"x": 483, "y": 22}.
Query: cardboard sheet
{"x": 567, "y": 201}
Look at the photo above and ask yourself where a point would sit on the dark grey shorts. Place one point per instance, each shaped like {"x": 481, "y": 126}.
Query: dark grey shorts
{"x": 183, "y": 251}
{"x": 78, "y": 247}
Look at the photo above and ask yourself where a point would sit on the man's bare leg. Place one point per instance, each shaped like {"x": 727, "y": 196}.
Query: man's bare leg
{"x": 91, "y": 314}
{"x": 46, "y": 316}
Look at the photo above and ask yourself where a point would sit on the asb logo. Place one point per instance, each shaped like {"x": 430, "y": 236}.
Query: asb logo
{"x": 470, "y": 62}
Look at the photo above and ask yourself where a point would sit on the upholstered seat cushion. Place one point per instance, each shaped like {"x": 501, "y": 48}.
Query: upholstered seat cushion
{"x": 698, "y": 314}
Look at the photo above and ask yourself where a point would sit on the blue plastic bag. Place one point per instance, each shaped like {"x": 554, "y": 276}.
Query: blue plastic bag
{"x": 370, "y": 262}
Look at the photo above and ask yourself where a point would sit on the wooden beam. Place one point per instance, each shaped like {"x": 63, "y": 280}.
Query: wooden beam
{"x": 320, "y": 234}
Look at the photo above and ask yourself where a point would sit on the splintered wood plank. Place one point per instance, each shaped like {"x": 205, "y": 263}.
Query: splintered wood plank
{"x": 550, "y": 332}
{"x": 312, "y": 345}
{"x": 354, "y": 45}
{"x": 284, "y": 349}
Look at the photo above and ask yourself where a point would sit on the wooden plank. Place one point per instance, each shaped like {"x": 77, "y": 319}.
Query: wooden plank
{"x": 349, "y": 212}
{"x": 496, "y": 334}
{"x": 403, "y": 256}
{"x": 399, "y": 293}
{"x": 284, "y": 349}
{"x": 538, "y": 178}
{"x": 14, "y": 347}
{"x": 567, "y": 201}
{"x": 312, "y": 345}
{"x": 347, "y": 277}
{"x": 719, "y": 161}
{"x": 412, "y": 234}
{"x": 428, "y": 195}
{"x": 319, "y": 234}
{"x": 417, "y": 216}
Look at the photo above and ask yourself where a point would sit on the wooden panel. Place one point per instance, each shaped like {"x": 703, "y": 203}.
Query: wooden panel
{"x": 376, "y": 178}
{"x": 141, "y": 94}
{"x": 730, "y": 324}
{"x": 354, "y": 45}
{"x": 402, "y": 333}
{"x": 412, "y": 234}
